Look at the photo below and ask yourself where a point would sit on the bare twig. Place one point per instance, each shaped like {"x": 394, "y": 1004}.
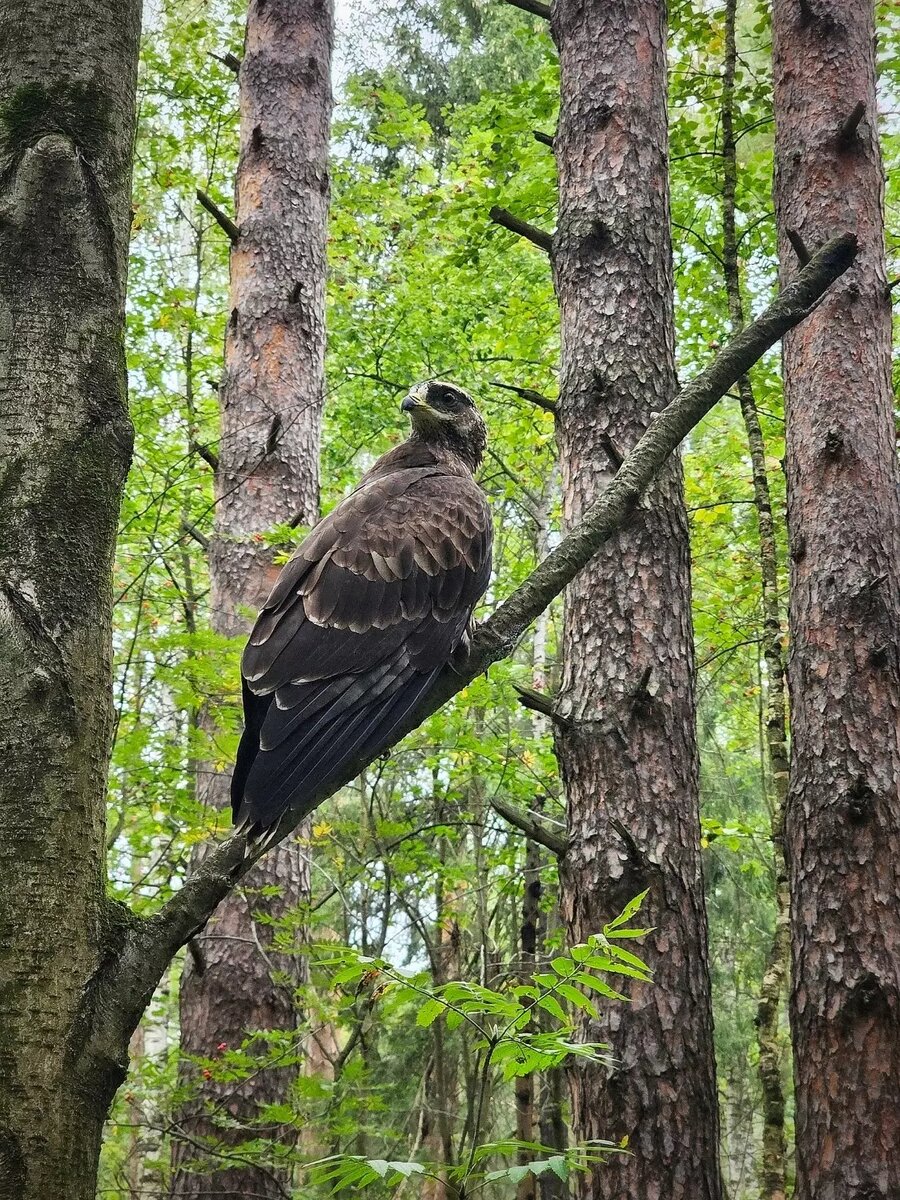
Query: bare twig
{"x": 229, "y": 60}
{"x": 221, "y": 218}
{"x": 545, "y": 139}
{"x": 535, "y": 7}
{"x": 273, "y": 436}
{"x": 529, "y": 394}
{"x": 538, "y": 702}
{"x": 204, "y": 452}
{"x": 700, "y": 238}
{"x": 191, "y": 529}
{"x": 613, "y": 453}
{"x": 799, "y": 245}
{"x": 848, "y": 127}
{"x": 540, "y": 237}
{"x": 531, "y": 826}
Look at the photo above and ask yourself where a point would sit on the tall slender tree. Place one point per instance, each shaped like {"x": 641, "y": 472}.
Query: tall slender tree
{"x": 626, "y": 734}
{"x": 271, "y": 408}
{"x": 773, "y": 1168}
{"x": 843, "y": 816}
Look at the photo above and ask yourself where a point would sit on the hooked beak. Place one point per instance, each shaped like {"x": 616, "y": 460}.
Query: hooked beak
{"x": 415, "y": 399}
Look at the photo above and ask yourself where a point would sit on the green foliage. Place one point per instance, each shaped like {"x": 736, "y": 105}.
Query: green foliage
{"x": 437, "y": 102}
{"x": 502, "y": 1022}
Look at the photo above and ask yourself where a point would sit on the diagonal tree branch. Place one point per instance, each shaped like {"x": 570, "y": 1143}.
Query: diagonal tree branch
{"x": 221, "y": 218}
{"x": 536, "y": 7}
{"x": 529, "y": 394}
{"x": 531, "y": 826}
{"x": 539, "y": 237}
{"x": 148, "y": 944}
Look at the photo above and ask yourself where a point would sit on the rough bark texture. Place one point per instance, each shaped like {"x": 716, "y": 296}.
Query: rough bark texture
{"x": 272, "y": 399}
{"x": 628, "y": 750}
{"x": 773, "y": 1166}
{"x": 67, "y": 80}
{"x": 843, "y": 815}
{"x": 526, "y": 1085}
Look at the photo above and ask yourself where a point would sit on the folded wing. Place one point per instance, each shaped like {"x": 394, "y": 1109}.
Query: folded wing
{"x": 356, "y": 631}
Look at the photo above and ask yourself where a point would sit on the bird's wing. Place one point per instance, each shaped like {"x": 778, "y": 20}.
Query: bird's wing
{"x": 357, "y": 628}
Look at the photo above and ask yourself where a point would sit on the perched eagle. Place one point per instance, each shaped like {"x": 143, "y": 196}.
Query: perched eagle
{"x": 366, "y": 614}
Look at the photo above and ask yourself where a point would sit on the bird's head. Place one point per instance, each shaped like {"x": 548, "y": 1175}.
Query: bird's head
{"x": 445, "y": 416}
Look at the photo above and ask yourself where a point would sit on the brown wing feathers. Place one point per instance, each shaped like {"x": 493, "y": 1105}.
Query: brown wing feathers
{"x": 356, "y": 631}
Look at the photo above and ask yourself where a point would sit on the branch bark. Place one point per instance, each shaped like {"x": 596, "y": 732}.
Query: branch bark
{"x": 192, "y": 531}
{"x": 149, "y": 943}
{"x": 229, "y": 60}
{"x": 203, "y": 451}
{"x": 847, "y": 131}
{"x": 221, "y": 218}
{"x": 535, "y": 7}
{"x": 540, "y": 237}
{"x": 533, "y": 828}
{"x": 529, "y": 394}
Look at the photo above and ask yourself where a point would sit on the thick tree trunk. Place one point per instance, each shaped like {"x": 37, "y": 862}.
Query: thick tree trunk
{"x": 843, "y": 816}
{"x": 67, "y": 86}
{"x": 272, "y": 400}
{"x": 627, "y": 747}
{"x": 773, "y": 1166}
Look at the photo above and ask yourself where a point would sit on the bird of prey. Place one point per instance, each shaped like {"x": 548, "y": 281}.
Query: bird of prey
{"x": 371, "y": 607}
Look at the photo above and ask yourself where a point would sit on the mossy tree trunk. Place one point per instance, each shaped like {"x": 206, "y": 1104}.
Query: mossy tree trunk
{"x": 273, "y": 393}
{"x": 843, "y": 813}
{"x": 67, "y": 107}
{"x": 627, "y": 743}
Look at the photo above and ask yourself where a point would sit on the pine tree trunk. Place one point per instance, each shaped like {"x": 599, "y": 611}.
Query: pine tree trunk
{"x": 272, "y": 400}
{"x": 843, "y": 815}
{"x": 67, "y": 88}
{"x": 627, "y": 749}
{"x": 773, "y": 1167}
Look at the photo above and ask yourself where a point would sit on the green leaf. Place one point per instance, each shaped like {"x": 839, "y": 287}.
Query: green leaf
{"x": 627, "y": 912}
{"x": 407, "y": 1168}
{"x": 577, "y": 998}
{"x": 597, "y": 985}
{"x": 551, "y": 1005}
{"x": 429, "y": 1012}
{"x": 559, "y": 1166}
